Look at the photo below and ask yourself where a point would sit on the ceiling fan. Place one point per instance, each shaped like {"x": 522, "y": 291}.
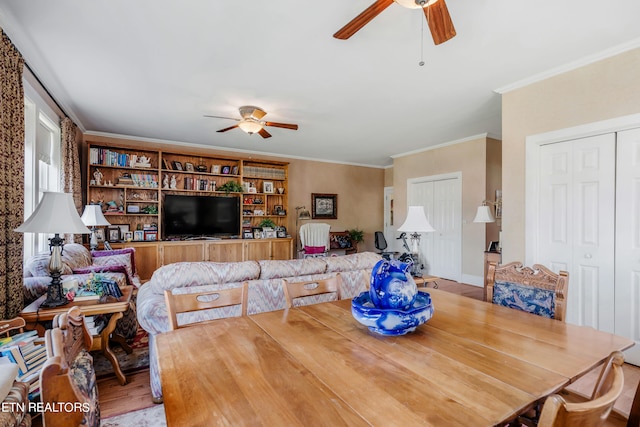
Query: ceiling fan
{"x": 435, "y": 11}
{"x": 251, "y": 121}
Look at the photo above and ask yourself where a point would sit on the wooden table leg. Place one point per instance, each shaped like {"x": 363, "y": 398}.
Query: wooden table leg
{"x": 105, "y": 335}
{"x": 117, "y": 338}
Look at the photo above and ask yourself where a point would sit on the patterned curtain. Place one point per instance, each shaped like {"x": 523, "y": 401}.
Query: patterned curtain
{"x": 70, "y": 176}
{"x": 11, "y": 178}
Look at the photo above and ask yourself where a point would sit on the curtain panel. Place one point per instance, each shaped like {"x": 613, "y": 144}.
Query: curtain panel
{"x": 70, "y": 176}
{"x": 11, "y": 178}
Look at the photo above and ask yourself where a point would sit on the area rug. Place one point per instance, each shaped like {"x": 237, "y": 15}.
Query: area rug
{"x": 138, "y": 359}
{"x": 148, "y": 417}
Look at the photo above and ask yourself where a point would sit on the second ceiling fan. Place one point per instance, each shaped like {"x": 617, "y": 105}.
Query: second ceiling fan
{"x": 251, "y": 121}
{"x": 435, "y": 11}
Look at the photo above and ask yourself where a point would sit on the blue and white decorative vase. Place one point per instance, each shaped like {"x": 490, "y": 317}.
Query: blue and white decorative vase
{"x": 393, "y": 305}
{"x": 391, "y": 286}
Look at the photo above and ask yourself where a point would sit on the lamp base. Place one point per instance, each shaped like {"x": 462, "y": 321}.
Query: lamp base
{"x": 54, "y": 296}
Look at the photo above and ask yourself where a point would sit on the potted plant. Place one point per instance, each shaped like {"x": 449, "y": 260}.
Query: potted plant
{"x": 267, "y": 223}
{"x": 231, "y": 187}
{"x": 356, "y": 236}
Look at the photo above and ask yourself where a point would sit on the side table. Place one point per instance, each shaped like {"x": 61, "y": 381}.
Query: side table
{"x": 425, "y": 280}
{"x": 34, "y": 316}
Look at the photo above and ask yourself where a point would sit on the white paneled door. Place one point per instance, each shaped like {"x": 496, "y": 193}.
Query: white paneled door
{"x": 627, "y": 267}
{"x": 576, "y": 224}
{"x": 587, "y": 221}
{"x": 441, "y": 197}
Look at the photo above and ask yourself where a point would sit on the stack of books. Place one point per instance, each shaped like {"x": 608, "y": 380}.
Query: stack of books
{"x": 95, "y": 324}
{"x": 27, "y": 350}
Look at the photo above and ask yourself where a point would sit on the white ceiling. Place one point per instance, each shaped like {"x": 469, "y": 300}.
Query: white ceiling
{"x": 152, "y": 68}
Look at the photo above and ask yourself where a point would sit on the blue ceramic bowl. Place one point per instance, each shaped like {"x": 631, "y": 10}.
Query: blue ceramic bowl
{"x": 389, "y": 321}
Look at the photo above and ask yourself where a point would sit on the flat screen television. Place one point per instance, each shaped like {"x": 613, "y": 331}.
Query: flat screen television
{"x": 195, "y": 216}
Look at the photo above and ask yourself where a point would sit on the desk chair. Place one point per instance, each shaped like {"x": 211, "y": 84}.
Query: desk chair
{"x": 381, "y": 245}
{"x": 557, "y": 412}
{"x": 200, "y": 301}
{"x": 294, "y": 290}
{"x": 536, "y": 290}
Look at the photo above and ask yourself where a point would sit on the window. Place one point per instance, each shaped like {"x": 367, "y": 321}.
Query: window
{"x": 42, "y": 161}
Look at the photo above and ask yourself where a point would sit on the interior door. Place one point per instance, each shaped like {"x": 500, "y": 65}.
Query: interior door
{"x": 627, "y": 264}
{"x": 441, "y": 197}
{"x": 575, "y": 213}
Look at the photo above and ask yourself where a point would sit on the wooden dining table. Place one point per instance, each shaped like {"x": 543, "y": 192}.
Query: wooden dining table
{"x": 472, "y": 364}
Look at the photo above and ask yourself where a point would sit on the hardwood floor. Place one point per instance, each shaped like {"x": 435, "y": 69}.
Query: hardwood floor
{"x": 136, "y": 394}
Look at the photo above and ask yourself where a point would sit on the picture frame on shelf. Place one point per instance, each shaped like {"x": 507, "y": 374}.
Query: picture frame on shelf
{"x": 123, "y": 229}
{"x": 114, "y": 233}
{"x": 324, "y": 206}
{"x": 188, "y": 166}
{"x": 150, "y": 236}
{"x": 267, "y": 187}
{"x": 277, "y": 209}
{"x": 247, "y": 234}
{"x": 270, "y": 234}
{"x": 177, "y": 165}
{"x": 257, "y": 232}
{"x": 226, "y": 170}
{"x": 215, "y": 169}
{"x": 281, "y": 232}
{"x": 234, "y": 170}
{"x": 128, "y": 236}
{"x": 138, "y": 235}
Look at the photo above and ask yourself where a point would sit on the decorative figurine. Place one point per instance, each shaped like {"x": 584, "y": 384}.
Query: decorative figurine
{"x": 165, "y": 182}
{"x": 174, "y": 182}
{"x": 98, "y": 177}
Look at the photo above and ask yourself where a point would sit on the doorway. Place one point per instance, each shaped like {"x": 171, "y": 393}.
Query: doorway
{"x": 441, "y": 197}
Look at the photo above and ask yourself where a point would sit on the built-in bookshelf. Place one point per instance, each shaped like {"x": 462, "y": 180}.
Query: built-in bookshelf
{"x": 130, "y": 184}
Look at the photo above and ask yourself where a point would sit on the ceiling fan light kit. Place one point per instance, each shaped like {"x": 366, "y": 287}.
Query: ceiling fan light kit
{"x": 251, "y": 123}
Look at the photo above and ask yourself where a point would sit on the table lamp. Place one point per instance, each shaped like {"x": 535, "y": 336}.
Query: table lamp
{"x": 56, "y": 214}
{"x": 302, "y": 214}
{"x": 415, "y": 224}
{"x": 93, "y": 217}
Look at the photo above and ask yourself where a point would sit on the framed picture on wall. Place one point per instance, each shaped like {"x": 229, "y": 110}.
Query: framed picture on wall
{"x": 324, "y": 206}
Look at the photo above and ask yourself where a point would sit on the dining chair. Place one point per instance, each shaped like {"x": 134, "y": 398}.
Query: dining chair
{"x": 9, "y": 325}
{"x": 536, "y": 289}
{"x": 557, "y": 412}
{"x": 294, "y": 290}
{"x": 187, "y": 303}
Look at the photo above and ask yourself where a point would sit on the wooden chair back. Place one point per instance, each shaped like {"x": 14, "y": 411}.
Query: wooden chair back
{"x": 186, "y": 303}
{"x": 537, "y": 276}
{"x": 68, "y": 375}
{"x": 557, "y": 412}
{"x": 7, "y": 326}
{"x": 293, "y": 290}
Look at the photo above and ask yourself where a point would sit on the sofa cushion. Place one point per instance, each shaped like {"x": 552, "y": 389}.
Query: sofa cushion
{"x": 186, "y": 274}
{"x": 123, "y": 260}
{"x": 74, "y": 256}
{"x": 359, "y": 261}
{"x": 124, "y": 251}
{"x": 291, "y": 268}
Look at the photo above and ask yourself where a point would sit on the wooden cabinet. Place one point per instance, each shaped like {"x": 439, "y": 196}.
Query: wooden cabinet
{"x": 275, "y": 249}
{"x": 282, "y": 249}
{"x": 171, "y": 252}
{"x": 147, "y": 257}
{"x": 224, "y": 250}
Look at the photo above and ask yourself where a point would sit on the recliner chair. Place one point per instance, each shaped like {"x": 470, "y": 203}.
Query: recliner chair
{"x": 381, "y": 245}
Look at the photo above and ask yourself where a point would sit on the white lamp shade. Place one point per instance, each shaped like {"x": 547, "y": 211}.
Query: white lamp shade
{"x": 56, "y": 214}
{"x": 92, "y": 216}
{"x": 416, "y": 221}
{"x": 484, "y": 214}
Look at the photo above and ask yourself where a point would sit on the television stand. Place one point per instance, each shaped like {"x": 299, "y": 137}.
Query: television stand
{"x": 202, "y": 238}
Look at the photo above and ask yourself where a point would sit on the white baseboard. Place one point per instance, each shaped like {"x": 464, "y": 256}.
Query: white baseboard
{"x": 472, "y": 280}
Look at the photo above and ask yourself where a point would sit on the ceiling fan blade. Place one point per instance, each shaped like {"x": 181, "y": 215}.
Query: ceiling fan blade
{"x": 282, "y": 125}
{"x": 363, "y": 19}
{"x": 439, "y": 22}
{"x": 263, "y": 133}
{"x": 220, "y": 117}
{"x": 226, "y": 129}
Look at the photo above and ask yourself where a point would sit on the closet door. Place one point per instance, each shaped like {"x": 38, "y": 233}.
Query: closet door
{"x": 627, "y": 266}
{"x": 575, "y": 215}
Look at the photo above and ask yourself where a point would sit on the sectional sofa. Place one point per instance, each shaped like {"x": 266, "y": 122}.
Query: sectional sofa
{"x": 265, "y": 289}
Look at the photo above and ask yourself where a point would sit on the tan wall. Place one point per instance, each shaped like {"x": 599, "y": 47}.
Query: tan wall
{"x": 470, "y": 159}
{"x": 388, "y": 177}
{"x": 359, "y": 189}
{"x": 494, "y": 182}
{"x": 604, "y": 90}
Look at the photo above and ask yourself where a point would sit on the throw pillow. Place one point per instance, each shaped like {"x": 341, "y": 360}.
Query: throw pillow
{"x": 314, "y": 249}
{"x": 130, "y": 251}
{"x": 112, "y": 260}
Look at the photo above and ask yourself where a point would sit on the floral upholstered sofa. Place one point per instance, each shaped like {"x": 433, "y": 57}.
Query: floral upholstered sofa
{"x": 265, "y": 289}
{"x": 78, "y": 263}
